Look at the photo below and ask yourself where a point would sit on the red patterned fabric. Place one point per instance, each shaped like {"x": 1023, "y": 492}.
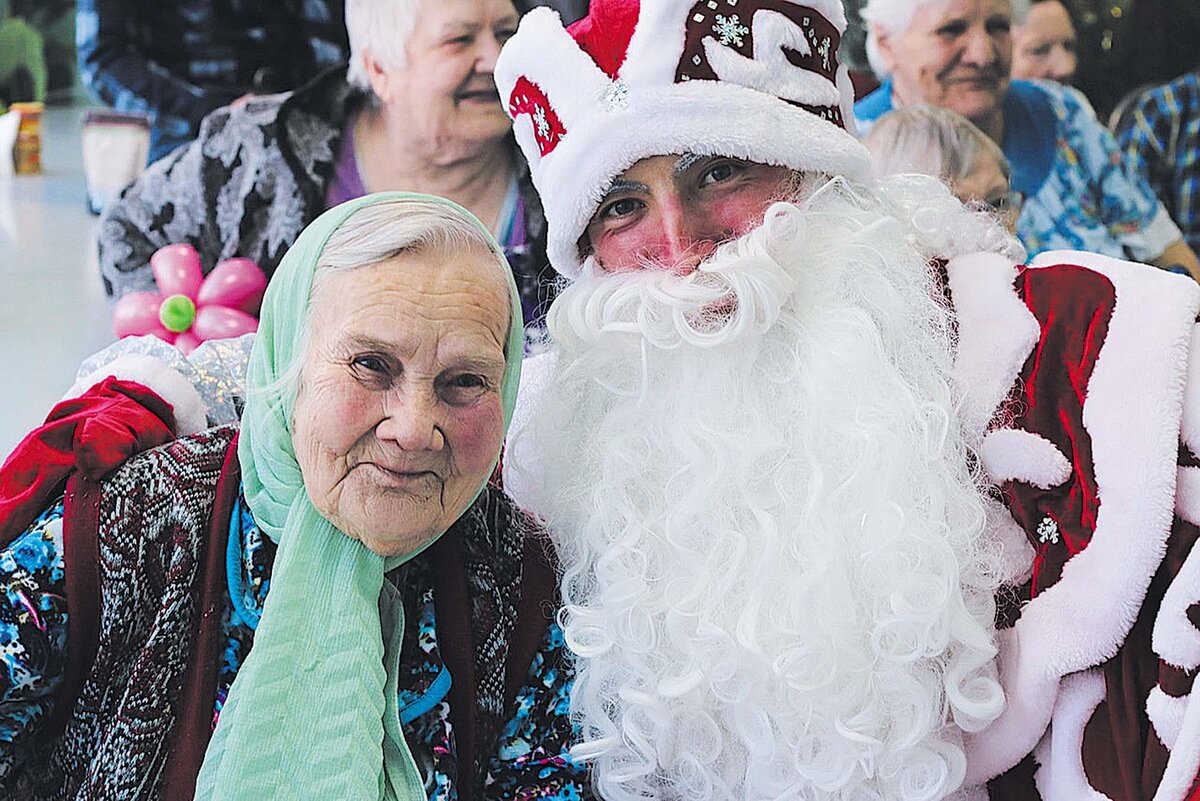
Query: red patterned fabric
{"x": 604, "y": 34}
{"x": 528, "y": 98}
{"x": 93, "y": 434}
{"x": 1073, "y": 306}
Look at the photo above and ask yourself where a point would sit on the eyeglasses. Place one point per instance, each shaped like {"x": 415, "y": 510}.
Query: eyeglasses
{"x": 1006, "y": 205}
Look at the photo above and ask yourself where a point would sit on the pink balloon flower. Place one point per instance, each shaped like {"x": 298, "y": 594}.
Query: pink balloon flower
{"x": 190, "y": 308}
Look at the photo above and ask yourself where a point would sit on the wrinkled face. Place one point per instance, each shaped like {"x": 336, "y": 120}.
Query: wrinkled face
{"x": 956, "y": 54}
{"x": 1044, "y": 44}
{"x": 398, "y": 418}
{"x": 986, "y": 184}
{"x": 671, "y": 212}
{"x": 446, "y": 89}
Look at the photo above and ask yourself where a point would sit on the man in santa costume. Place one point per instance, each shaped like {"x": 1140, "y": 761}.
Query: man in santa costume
{"x": 849, "y": 503}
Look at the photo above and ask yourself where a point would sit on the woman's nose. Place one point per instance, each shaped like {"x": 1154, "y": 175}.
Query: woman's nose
{"x": 980, "y": 48}
{"x": 489, "y": 51}
{"x": 410, "y": 421}
{"x": 1062, "y": 64}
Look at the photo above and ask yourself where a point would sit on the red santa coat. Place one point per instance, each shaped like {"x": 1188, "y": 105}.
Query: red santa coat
{"x": 1086, "y": 418}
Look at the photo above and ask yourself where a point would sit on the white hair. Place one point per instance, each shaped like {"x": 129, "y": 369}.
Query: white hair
{"x": 381, "y": 28}
{"x": 931, "y": 140}
{"x": 381, "y": 231}
{"x": 894, "y": 16}
{"x": 774, "y": 575}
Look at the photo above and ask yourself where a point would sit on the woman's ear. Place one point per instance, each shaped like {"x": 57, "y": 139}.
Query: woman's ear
{"x": 378, "y": 75}
{"x": 885, "y": 44}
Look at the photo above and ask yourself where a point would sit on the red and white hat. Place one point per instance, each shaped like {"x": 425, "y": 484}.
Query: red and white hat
{"x": 751, "y": 79}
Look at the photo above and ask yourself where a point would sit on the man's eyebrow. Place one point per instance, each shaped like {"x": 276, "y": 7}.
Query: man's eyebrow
{"x": 686, "y": 162}
{"x": 621, "y": 185}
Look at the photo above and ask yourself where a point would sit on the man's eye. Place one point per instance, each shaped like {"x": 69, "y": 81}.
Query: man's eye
{"x": 459, "y": 41}
{"x": 952, "y": 30}
{"x": 504, "y": 34}
{"x": 619, "y": 208}
{"x": 999, "y": 27}
{"x": 721, "y": 171}
{"x": 1041, "y": 51}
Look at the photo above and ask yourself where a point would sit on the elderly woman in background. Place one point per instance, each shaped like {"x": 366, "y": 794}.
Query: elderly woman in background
{"x": 1079, "y": 192}
{"x": 1044, "y": 43}
{"x": 380, "y": 605}
{"x": 936, "y": 141}
{"x": 417, "y": 110}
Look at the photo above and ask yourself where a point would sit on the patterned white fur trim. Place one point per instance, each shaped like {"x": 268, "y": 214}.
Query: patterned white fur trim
{"x": 1184, "y": 763}
{"x": 1166, "y": 714}
{"x": 190, "y": 414}
{"x": 996, "y": 332}
{"x": 1132, "y": 412}
{"x": 1060, "y": 776}
{"x": 1176, "y": 640}
{"x": 1012, "y": 454}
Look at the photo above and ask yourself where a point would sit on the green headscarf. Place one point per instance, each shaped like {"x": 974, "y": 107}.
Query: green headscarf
{"x": 313, "y": 711}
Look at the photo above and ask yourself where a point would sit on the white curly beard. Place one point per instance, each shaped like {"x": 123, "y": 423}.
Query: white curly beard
{"x": 773, "y": 579}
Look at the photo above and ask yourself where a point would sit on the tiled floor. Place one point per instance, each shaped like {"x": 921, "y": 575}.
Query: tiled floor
{"x": 53, "y": 311}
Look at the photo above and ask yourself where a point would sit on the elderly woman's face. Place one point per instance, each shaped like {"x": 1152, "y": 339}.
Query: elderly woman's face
{"x": 1044, "y": 44}
{"x": 446, "y": 89}
{"x": 956, "y": 54}
{"x": 398, "y": 419}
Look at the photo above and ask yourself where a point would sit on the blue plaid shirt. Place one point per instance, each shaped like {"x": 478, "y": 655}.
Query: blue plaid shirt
{"x": 1161, "y": 134}
{"x": 177, "y": 61}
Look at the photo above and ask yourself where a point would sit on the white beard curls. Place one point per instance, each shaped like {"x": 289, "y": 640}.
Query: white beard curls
{"x": 773, "y": 578}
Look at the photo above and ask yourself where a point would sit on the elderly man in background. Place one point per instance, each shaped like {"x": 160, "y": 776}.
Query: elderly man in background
{"x": 416, "y": 111}
{"x": 1079, "y": 191}
{"x": 848, "y": 502}
{"x": 1160, "y": 132}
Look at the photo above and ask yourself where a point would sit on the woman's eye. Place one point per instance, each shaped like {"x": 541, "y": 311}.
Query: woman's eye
{"x": 504, "y": 34}
{"x": 464, "y": 388}
{"x": 999, "y": 27}
{"x": 1041, "y": 51}
{"x": 952, "y": 30}
{"x": 459, "y": 41}
{"x": 372, "y": 368}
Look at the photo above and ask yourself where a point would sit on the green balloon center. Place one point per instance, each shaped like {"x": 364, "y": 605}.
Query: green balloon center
{"x": 176, "y": 313}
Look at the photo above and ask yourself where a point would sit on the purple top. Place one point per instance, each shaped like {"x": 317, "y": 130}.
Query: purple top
{"x": 347, "y": 184}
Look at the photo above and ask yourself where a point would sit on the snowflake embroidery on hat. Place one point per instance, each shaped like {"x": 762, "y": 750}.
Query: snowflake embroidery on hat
{"x": 1047, "y": 530}
{"x": 730, "y": 30}
{"x": 616, "y": 96}
{"x": 528, "y": 98}
{"x": 823, "y": 51}
{"x": 539, "y": 122}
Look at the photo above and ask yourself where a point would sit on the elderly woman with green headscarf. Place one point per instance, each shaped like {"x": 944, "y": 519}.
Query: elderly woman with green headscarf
{"x": 332, "y": 602}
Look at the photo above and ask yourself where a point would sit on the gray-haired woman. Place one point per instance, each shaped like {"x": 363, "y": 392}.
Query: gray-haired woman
{"x": 416, "y": 110}
{"x": 335, "y": 585}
